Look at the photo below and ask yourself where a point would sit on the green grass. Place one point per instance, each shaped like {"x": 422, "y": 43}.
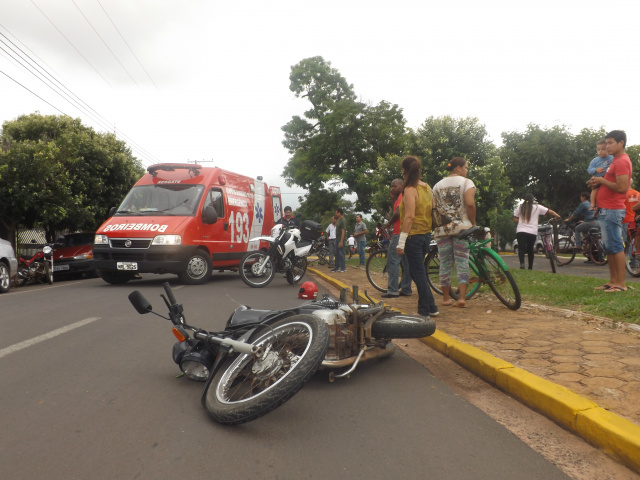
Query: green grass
{"x": 576, "y": 293}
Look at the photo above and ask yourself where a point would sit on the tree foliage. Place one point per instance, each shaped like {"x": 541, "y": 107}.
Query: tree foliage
{"x": 549, "y": 163}
{"x": 339, "y": 139}
{"x": 59, "y": 174}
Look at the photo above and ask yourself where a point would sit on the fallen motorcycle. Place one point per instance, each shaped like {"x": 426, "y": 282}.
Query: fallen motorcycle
{"x": 38, "y": 267}
{"x": 263, "y": 357}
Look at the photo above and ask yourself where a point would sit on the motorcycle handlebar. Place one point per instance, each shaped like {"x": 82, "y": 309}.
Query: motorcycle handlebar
{"x": 169, "y": 292}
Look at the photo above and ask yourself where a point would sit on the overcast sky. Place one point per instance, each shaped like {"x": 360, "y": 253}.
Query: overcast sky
{"x": 208, "y": 80}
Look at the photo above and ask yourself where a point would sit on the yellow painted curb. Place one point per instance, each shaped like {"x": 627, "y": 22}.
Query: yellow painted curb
{"x": 616, "y": 435}
{"x": 484, "y": 365}
{"x": 553, "y": 400}
{"x": 612, "y": 433}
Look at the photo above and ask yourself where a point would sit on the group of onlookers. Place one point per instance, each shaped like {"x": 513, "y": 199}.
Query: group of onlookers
{"x": 411, "y": 223}
{"x": 611, "y": 205}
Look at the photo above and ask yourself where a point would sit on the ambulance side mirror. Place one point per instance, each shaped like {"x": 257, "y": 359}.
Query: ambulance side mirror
{"x": 209, "y": 215}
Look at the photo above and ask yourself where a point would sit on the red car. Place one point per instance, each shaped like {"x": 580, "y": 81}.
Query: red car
{"x": 73, "y": 254}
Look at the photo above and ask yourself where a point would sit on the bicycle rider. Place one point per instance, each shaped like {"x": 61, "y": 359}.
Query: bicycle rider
{"x": 585, "y": 213}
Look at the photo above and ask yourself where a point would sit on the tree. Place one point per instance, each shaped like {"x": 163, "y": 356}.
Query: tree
{"x": 59, "y": 174}
{"x": 549, "y": 163}
{"x": 339, "y": 139}
{"x": 634, "y": 154}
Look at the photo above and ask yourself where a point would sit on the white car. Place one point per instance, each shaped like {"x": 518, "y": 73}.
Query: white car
{"x": 537, "y": 248}
{"x": 8, "y": 266}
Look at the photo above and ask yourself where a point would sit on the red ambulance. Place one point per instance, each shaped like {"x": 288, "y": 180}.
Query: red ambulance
{"x": 185, "y": 219}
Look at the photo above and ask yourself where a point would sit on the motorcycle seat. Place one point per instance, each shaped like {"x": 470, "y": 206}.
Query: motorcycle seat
{"x": 244, "y": 315}
{"x": 593, "y": 231}
{"x": 302, "y": 244}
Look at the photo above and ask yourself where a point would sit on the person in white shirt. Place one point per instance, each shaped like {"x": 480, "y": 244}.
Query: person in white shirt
{"x": 526, "y": 214}
{"x": 331, "y": 240}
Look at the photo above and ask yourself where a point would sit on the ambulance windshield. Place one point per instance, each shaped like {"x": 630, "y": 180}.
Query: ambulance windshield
{"x": 165, "y": 199}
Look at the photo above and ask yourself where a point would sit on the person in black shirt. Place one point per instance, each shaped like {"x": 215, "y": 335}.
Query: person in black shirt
{"x": 288, "y": 220}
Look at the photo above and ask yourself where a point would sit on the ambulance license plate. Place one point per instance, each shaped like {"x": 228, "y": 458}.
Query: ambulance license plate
{"x": 127, "y": 266}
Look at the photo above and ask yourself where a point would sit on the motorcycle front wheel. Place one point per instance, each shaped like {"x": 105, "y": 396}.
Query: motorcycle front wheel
{"x": 48, "y": 274}
{"x": 395, "y": 325}
{"x": 250, "y": 269}
{"x": 246, "y": 388}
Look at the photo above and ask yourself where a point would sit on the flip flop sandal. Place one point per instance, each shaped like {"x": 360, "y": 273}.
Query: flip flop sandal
{"x": 615, "y": 289}
{"x": 606, "y": 286}
{"x": 447, "y": 304}
{"x": 460, "y": 305}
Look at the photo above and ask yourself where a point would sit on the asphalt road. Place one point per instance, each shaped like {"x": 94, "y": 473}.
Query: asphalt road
{"x": 89, "y": 390}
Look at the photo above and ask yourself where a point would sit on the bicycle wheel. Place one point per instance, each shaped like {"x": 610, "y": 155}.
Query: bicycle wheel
{"x": 474, "y": 280}
{"x": 501, "y": 281}
{"x": 377, "y": 270}
{"x": 323, "y": 255}
{"x": 550, "y": 253}
{"x": 596, "y": 253}
{"x": 632, "y": 257}
{"x": 565, "y": 246}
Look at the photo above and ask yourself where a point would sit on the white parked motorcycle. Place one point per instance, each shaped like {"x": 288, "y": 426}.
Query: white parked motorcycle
{"x": 286, "y": 254}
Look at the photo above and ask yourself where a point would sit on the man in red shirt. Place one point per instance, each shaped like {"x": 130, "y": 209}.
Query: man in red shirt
{"x": 393, "y": 259}
{"x": 611, "y": 201}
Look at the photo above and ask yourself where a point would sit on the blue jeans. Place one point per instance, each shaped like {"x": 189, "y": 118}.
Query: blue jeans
{"x": 341, "y": 259}
{"x": 331, "y": 246}
{"x": 610, "y": 222}
{"x": 393, "y": 269}
{"x": 583, "y": 228}
{"x": 361, "y": 246}
{"x": 415, "y": 249}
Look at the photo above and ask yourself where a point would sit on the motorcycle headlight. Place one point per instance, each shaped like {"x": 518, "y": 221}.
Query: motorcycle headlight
{"x": 196, "y": 365}
{"x": 101, "y": 240}
{"x": 167, "y": 240}
{"x": 47, "y": 250}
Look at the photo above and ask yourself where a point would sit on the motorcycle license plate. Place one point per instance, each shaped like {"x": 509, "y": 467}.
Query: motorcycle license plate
{"x": 127, "y": 266}
{"x": 57, "y": 268}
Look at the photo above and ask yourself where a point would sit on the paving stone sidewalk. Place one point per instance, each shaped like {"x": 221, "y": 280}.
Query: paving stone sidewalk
{"x": 592, "y": 356}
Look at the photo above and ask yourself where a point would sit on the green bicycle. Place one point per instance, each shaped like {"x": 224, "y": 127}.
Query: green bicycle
{"x": 485, "y": 267}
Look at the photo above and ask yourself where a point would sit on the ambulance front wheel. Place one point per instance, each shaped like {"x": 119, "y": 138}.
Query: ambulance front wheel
{"x": 198, "y": 269}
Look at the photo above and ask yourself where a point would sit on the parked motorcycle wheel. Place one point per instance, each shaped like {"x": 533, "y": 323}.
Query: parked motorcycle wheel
{"x": 246, "y": 388}
{"x": 20, "y": 280}
{"x": 394, "y": 325}
{"x": 297, "y": 270}
{"x": 48, "y": 274}
{"x": 249, "y": 267}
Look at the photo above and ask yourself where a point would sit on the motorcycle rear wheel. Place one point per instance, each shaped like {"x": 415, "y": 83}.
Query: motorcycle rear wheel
{"x": 245, "y": 388}
{"x": 249, "y": 270}
{"x": 297, "y": 270}
{"x": 395, "y": 325}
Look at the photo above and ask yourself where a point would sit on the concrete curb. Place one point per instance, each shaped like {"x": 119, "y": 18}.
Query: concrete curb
{"x": 614, "y": 434}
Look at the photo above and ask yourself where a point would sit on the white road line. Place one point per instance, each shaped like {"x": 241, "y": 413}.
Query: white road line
{"x": 47, "y": 336}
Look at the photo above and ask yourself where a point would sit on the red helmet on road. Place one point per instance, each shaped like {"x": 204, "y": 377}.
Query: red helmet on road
{"x": 308, "y": 290}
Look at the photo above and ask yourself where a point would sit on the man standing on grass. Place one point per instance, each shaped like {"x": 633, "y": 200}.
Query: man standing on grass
{"x": 360, "y": 233}
{"x": 611, "y": 202}
{"x": 341, "y": 230}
